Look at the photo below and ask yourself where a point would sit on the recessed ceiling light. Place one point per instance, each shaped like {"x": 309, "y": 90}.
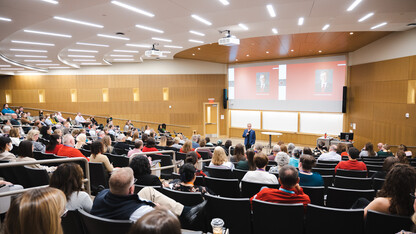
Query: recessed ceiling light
{"x": 292, "y": 50}
{"x": 224, "y": 2}
{"x": 236, "y": 59}
{"x": 149, "y": 28}
{"x": 325, "y": 27}
{"x": 78, "y": 22}
{"x": 353, "y": 5}
{"x": 248, "y": 55}
{"x": 12, "y": 69}
{"x": 59, "y": 67}
{"x": 127, "y": 51}
{"x": 48, "y": 64}
{"x": 161, "y": 39}
{"x": 33, "y": 43}
{"x": 138, "y": 45}
{"x": 113, "y": 37}
{"x": 137, "y": 10}
{"x": 196, "y": 33}
{"x": 37, "y": 61}
{"x": 86, "y": 51}
{"x": 26, "y": 50}
{"x": 199, "y": 48}
{"x": 5, "y": 19}
{"x": 48, "y": 33}
{"x": 379, "y": 25}
{"x": 243, "y": 26}
{"x": 202, "y": 20}
{"x": 271, "y": 11}
{"x": 341, "y": 64}
{"x": 30, "y": 56}
{"x": 320, "y": 51}
{"x": 5, "y": 66}
{"x": 91, "y": 63}
{"x": 120, "y": 59}
{"x": 300, "y": 21}
{"x": 196, "y": 41}
{"x": 274, "y": 30}
{"x": 51, "y": 1}
{"x": 267, "y": 52}
{"x": 173, "y": 46}
{"x": 165, "y": 52}
{"x": 193, "y": 54}
{"x": 366, "y": 17}
{"x": 80, "y": 56}
{"x": 84, "y": 60}
{"x": 122, "y": 55}
{"x": 92, "y": 44}
{"x": 351, "y": 33}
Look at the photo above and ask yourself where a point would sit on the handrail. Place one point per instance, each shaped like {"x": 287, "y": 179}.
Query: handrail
{"x": 159, "y": 152}
{"x": 103, "y": 117}
{"x": 46, "y": 161}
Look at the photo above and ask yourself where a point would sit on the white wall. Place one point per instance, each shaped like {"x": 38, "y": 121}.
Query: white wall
{"x": 175, "y": 66}
{"x": 395, "y": 45}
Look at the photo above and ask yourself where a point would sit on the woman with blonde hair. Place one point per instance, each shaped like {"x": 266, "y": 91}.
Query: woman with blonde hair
{"x": 37, "y": 211}
{"x": 188, "y": 147}
{"x": 81, "y": 140}
{"x": 136, "y": 136}
{"x": 163, "y": 141}
{"x": 107, "y": 144}
{"x": 15, "y": 136}
{"x": 33, "y": 136}
{"x": 220, "y": 159}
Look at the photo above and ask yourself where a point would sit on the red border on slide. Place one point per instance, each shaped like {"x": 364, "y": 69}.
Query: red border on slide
{"x": 300, "y": 81}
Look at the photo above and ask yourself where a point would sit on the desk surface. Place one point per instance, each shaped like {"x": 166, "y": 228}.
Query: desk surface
{"x": 272, "y": 133}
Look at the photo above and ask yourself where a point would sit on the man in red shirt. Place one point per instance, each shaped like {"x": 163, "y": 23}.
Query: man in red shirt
{"x": 68, "y": 149}
{"x": 352, "y": 163}
{"x": 289, "y": 191}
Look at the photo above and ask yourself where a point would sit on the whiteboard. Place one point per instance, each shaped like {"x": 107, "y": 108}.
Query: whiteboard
{"x": 239, "y": 119}
{"x": 280, "y": 121}
{"x": 321, "y": 123}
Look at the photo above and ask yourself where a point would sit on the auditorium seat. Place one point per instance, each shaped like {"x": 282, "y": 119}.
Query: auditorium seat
{"x": 118, "y": 160}
{"x": 239, "y": 174}
{"x": 236, "y": 213}
{"x": 326, "y": 220}
{"x": 220, "y": 173}
{"x": 98, "y": 177}
{"x": 165, "y": 160}
{"x": 46, "y": 156}
{"x": 185, "y": 198}
{"x": 351, "y": 173}
{"x": 327, "y": 161}
{"x": 72, "y": 223}
{"x": 249, "y": 189}
{"x": 345, "y": 198}
{"x": 353, "y": 182}
{"x": 37, "y": 176}
{"x": 85, "y": 152}
{"x": 223, "y": 187}
{"x": 271, "y": 217}
{"x": 324, "y": 171}
{"x": 119, "y": 151}
{"x": 315, "y": 193}
{"x": 326, "y": 165}
{"x": 180, "y": 156}
{"x": 378, "y": 222}
{"x": 372, "y": 167}
{"x": 96, "y": 225}
{"x": 378, "y": 183}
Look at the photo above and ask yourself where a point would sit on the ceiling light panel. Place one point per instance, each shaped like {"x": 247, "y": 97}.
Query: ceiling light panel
{"x": 37, "y": 61}
{"x": 197, "y": 33}
{"x": 173, "y": 46}
{"x": 125, "y": 60}
{"x": 91, "y": 63}
{"x": 84, "y": 60}
{"x": 243, "y": 26}
{"x": 379, "y": 25}
{"x": 301, "y": 21}
{"x": 149, "y": 28}
{"x": 139, "y": 45}
{"x": 325, "y": 27}
{"x": 26, "y": 50}
{"x": 196, "y": 41}
{"x": 51, "y": 1}
{"x": 5, "y": 19}
{"x": 80, "y": 56}
{"x": 121, "y": 55}
{"x": 224, "y": 2}
{"x": 33, "y": 43}
{"x": 113, "y": 37}
{"x": 127, "y": 51}
{"x": 353, "y": 5}
{"x": 161, "y": 39}
{"x": 48, "y": 33}
{"x": 271, "y": 11}
{"x": 48, "y": 64}
{"x": 202, "y": 20}
{"x": 30, "y": 56}
{"x": 86, "y": 51}
{"x": 78, "y": 22}
{"x": 274, "y": 30}
{"x": 92, "y": 44}
{"x": 366, "y": 17}
{"x": 132, "y": 8}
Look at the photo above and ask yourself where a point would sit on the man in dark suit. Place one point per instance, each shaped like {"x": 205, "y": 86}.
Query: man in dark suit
{"x": 249, "y": 136}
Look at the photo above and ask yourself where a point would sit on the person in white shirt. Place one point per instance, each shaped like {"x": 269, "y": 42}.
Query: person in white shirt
{"x": 60, "y": 118}
{"x": 331, "y": 155}
{"x": 220, "y": 159}
{"x": 260, "y": 175}
{"x": 79, "y": 119}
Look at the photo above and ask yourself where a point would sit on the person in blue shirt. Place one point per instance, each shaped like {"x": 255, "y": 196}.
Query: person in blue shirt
{"x": 6, "y": 110}
{"x": 306, "y": 176}
{"x": 249, "y": 136}
{"x": 294, "y": 160}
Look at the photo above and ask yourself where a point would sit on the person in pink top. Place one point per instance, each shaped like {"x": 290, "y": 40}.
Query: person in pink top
{"x": 138, "y": 146}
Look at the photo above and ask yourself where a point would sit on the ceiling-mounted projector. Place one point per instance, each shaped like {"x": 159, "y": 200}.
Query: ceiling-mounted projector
{"x": 228, "y": 40}
{"x": 153, "y": 52}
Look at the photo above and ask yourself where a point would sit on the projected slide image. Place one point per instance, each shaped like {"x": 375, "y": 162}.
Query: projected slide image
{"x": 262, "y": 82}
{"x": 323, "y": 81}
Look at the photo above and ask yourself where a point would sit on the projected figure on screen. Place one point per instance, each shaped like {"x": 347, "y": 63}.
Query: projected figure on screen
{"x": 262, "y": 82}
{"x": 323, "y": 81}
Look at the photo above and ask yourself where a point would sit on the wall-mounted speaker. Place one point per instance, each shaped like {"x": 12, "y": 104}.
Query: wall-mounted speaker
{"x": 225, "y": 98}
{"x": 344, "y": 99}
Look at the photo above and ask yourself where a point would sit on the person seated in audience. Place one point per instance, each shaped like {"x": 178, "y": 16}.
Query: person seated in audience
{"x": 368, "y": 151}
{"x": 342, "y": 149}
{"x": 101, "y": 135}
{"x": 289, "y": 192}
{"x": 238, "y": 153}
{"x": 36, "y": 211}
{"x": 307, "y": 150}
{"x": 79, "y": 119}
{"x": 202, "y": 144}
{"x": 128, "y": 126}
{"x": 121, "y": 143}
{"x": 208, "y": 142}
{"x": 247, "y": 164}
{"x": 54, "y": 144}
{"x": 331, "y": 155}
{"x": 157, "y": 221}
{"x": 192, "y": 158}
{"x": 169, "y": 144}
{"x": 306, "y": 176}
{"x": 66, "y": 128}
{"x": 258, "y": 148}
{"x": 388, "y": 163}
{"x": 294, "y": 160}
{"x": 119, "y": 202}
{"x": 33, "y": 135}
{"x": 97, "y": 156}
{"x": 163, "y": 140}
{"x": 219, "y": 142}
{"x": 106, "y": 140}
{"x": 352, "y": 163}
{"x": 92, "y": 130}
{"x": 150, "y": 145}
{"x": 75, "y": 132}
{"x": 227, "y": 145}
{"x": 129, "y": 136}
{"x": 188, "y": 147}
{"x": 282, "y": 159}
{"x": 187, "y": 174}
{"x": 290, "y": 148}
{"x": 141, "y": 168}
{"x": 394, "y": 198}
{"x": 385, "y": 151}
{"x": 275, "y": 150}
{"x": 138, "y": 146}
{"x": 14, "y": 120}
{"x": 6, "y": 110}
{"x": 25, "y": 154}
{"x": 81, "y": 141}
{"x": 176, "y": 144}
{"x": 15, "y": 136}
{"x": 48, "y": 120}
{"x": 401, "y": 155}
{"x": 45, "y": 132}
{"x": 320, "y": 149}
{"x": 25, "y": 120}
{"x": 111, "y": 132}
{"x": 6, "y": 146}
{"x": 147, "y": 130}
{"x": 220, "y": 159}
{"x": 6, "y": 130}
{"x": 68, "y": 149}
{"x": 68, "y": 178}
{"x": 260, "y": 175}
{"x": 136, "y": 136}
{"x": 404, "y": 148}
{"x": 380, "y": 146}
{"x": 195, "y": 141}
{"x": 59, "y": 117}
{"x": 58, "y": 131}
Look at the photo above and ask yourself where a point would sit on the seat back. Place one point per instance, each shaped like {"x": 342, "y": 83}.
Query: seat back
{"x": 324, "y": 171}
{"x": 21, "y": 176}
{"x": 37, "y": 176}
{"x": 378, "y": 183}
{"x": 353, "y": 182}
{"x": 249, "y": 189}
{"x": 96, "y": 225}
{"x": 204, "y": 154}
{"x": 118, "y": 160}
{"x": 119, "y": 151}
{"x": 180, "y": 156}
{"x": 185, "y": 198}
{"x": 271, "y": 217}
{"x": 315, "y": 193}
{"x": 351, "y": 173}
{"x": 239, "y": 174}
{"x": 235, "y": 212}
{"x": 326, "y": 220}
{"x": 223, "y": 187}
{"x": 328, "y": 161}
{"x": 345, "y": 198}
{"x": 165, "y": 160}
{"x": 220, "y": 173}
{"x": 72, "y": 223}
{"x": 85, "y": 152}
{"x": 373, "y": 167}
{"x": 98, "y": 176}
{"x": 325, "y": 165}
{"x": 378, "y": 222}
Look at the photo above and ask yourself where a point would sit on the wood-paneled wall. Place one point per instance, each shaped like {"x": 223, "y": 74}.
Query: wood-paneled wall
{"x": 377, "y": 102}
{"x": 186, "y": 96}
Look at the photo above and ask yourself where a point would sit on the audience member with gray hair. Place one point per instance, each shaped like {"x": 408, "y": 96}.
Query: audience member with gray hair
{"x": 294, "y": 160}
{"x": 282, "y": 160}
{"x": 195, "y": 140}
{"x": 121, "y": 143}
{"x": 290, "y": 148}
{"x": 68, "y": 149}
{"x": 331, "y": 155}
{"x": 33, "y": 136}
{"x": 276, "y": 149}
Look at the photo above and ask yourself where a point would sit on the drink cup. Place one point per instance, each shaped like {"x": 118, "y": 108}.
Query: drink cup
{"x": 217, "y": 225}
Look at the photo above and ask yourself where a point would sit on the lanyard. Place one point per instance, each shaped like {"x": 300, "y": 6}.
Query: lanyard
{"x": 287, "y": 191}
